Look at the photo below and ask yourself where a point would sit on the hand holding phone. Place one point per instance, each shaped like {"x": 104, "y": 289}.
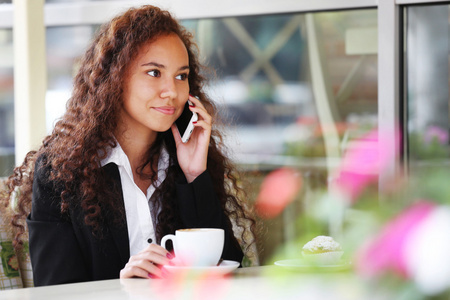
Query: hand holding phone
{"x": 193, "y": 154}
{"x": 185, "y": 124}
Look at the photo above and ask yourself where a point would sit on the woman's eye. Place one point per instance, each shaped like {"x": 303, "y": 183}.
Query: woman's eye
{"x": 154, "y": 73}
{"x": 182, "y": 77}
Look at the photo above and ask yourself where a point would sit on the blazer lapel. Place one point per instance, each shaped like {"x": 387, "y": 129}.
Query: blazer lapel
{"x": 119, "y": 233}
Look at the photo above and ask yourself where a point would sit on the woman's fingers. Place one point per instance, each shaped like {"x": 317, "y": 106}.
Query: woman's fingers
{"x": 203, "y": 125}
{"x": 195, "y": 100}
{"x": 204, "y": 120}
{"x": 193, "y": 155}
{"x": 156, "y": 249}
{"x": 146, "y": 264}
{"x": 142, "y": 269}
{"x": 200, "y": 110}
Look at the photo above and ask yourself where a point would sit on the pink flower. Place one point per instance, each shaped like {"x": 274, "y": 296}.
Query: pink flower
{"x": 178, "y": 284}
{"x": 211, "y": 286}
{"x": 436, "y": 132}
{"x": 427, "y": 251}
{"x": 361, "y": 165}
{"x": 387, "y": 251}
{"x": 278, "y": 189}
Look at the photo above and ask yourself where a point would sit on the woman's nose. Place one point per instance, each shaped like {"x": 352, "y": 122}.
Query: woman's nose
{"x": 168, "y": 89}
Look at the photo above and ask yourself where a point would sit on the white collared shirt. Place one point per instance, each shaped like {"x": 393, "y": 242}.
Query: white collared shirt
{"x": 137, "y": 204}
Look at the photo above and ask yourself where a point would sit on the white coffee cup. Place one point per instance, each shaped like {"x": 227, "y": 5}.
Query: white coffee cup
{"x": 199, "y": 247}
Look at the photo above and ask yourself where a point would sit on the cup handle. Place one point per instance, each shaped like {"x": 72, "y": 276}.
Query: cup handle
{"x": 166, "y": 238}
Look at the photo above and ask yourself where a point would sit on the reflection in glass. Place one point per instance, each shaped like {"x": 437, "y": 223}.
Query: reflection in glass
{"x": 265, "y": 85}
{"x": 65, "y": 45}
{"x": 427, "y": 74}
{"x": 296, "y": 89}
{"x": 6, "y": 103}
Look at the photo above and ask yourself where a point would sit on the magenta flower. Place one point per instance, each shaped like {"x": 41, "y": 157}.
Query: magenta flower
{"x": 436, "y": 132}
{"x": 177, "y": 284}
{"x": 388, "y": 250}
{"x": 362, "y": 164}
{"x": 211, "y": 286}
{"x": 427, "y": 252}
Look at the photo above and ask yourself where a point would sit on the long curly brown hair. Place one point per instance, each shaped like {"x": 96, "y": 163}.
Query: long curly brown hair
{"x": 82, "y": 137}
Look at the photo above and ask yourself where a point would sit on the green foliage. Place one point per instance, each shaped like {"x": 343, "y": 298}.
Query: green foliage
{"x": 308, "y": 148}
{"x": 420, "y": 149}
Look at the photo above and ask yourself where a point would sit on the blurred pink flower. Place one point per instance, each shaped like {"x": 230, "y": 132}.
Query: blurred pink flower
{"x": 436, "y": 132}
{"x": 387, "y": 251}
{"x": 278, "y": 189}
{"x": 427, "y": 252}
{"x": 211, "y": 286}
{"x": 201, "y": 285}
{"x": 170, "y": 286}
{"x": 362, "y": 164}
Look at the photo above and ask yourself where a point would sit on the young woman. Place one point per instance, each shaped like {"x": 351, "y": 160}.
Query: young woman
{"x": 114, "y": 176}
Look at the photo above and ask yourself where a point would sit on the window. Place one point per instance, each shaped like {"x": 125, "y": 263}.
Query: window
{"x": 6, "y": 103}
{"x": 65, "y": 45}
{"x": 295, "y": 88}
{"x": 264, "y": 79}
{"x": 427, "y": 78}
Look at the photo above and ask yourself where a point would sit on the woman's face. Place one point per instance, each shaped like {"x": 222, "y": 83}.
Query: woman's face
{"x": 156, "y": 87}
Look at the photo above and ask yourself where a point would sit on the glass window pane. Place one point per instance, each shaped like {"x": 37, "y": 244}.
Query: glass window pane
{"x": 427, "y": 86}
{"x": 65, "y": 45}
{"x": 296, "y": 88}
{"x": 6, "y": 103}
{"x": 264, "y": 79}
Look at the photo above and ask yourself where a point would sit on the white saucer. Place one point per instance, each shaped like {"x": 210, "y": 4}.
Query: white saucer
{"x": 225, "y": 267}
{"x": 302, "y": 265}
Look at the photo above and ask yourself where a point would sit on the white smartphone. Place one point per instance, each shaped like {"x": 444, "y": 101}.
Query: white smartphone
{"x": 185, "y": 122}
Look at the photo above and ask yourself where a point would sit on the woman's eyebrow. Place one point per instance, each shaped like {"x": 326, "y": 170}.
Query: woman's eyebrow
{"x": 161, "y": 66}
{"x": 154, "y": 64}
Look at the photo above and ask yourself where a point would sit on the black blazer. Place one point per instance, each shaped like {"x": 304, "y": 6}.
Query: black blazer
{"x": 64, "y": 250}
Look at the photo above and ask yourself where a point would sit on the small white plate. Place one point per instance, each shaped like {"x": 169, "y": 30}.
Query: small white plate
{"x": 225, "y": 267}
{"x": 302, "y": 265}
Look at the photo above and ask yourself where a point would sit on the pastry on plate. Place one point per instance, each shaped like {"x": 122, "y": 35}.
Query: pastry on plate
{"x": 322, "y": 250}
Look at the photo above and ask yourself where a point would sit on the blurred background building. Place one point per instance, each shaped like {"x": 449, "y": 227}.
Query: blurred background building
{"x": 295, "y": 81}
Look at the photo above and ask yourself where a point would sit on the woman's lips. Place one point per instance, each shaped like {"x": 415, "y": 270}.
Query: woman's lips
{"x": 167, "y": 110}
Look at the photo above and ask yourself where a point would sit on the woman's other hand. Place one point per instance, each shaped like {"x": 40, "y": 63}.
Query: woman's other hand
{"x": 147, "y": 263}
{"x": 192, "y": 156}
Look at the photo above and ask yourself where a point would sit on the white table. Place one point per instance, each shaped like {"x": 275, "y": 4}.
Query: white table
{"x": 256, "y": 283}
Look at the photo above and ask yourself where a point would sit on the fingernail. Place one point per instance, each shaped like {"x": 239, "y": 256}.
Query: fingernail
{"x": 194, "y": 122}
{"x": 191, "y": 95}
{"x": 151, "y": 276}
{"x": 169, "y": 255}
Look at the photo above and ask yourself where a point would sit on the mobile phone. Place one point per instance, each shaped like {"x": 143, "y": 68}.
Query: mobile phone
{"x": 185, "y": 122}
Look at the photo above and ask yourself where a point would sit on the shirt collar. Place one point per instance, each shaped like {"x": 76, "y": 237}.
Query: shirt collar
{"x": 117, "y": 155}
